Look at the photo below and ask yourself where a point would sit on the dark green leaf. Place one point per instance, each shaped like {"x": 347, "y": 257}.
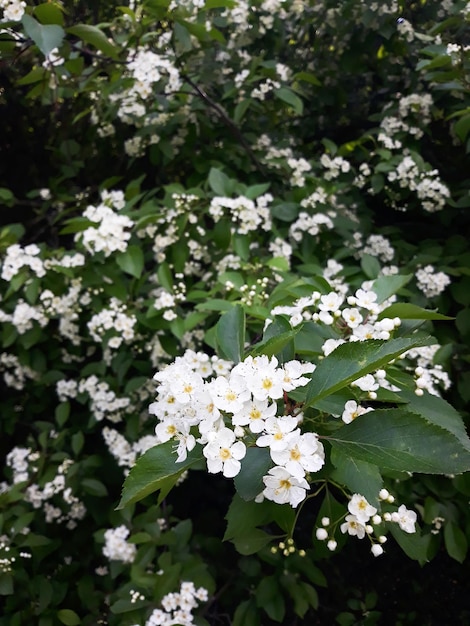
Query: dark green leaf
{"x": 455, "y": 541}
{"x": 131, "y": 261}
{"x": 290, "y": 98}
{"x": 358, "y": 476}
{"x": 414, "y": 545}
{"x": 270, "y": 598}
{"x": 255, "y": 465}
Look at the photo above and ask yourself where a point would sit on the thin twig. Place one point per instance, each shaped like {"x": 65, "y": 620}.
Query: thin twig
{"x": 227, "y": 121}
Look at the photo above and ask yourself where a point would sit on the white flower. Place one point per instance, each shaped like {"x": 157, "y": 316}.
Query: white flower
{"x": 277, "y": 429}
{"x": 303, "y": 453}
{"x": 281, "y": 487}
{"x": 223, "y": 453}
{"x": 405, "y": 518}
{"x": 361, "y": 509}
{"x": 353, "y": 527}
{"x": 229, "y": 395}
{"x": 352, "y": 410}
{"x": 254, "y": 415}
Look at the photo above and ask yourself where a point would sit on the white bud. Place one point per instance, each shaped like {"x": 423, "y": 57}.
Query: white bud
{"x": 377, "y": 549}
{"x": 325, "y": 521}
{"x": 383, "y": 494}
{"x": 321, "y": 534}
{"x": 382, "y": 539}
{"x": 332, "y": 545}
{"x": 376, "y": 519}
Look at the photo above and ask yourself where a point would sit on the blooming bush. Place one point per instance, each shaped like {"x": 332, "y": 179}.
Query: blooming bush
{"x": 234, "y": 303}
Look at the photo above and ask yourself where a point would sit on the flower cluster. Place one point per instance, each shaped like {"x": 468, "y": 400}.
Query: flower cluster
{"x": 237, "y": 408}
{"x": 363, "y": 517}
{"x": 178, "y": 607}
{"x": 110, "y": 234}
{"x": 116, "y": 547}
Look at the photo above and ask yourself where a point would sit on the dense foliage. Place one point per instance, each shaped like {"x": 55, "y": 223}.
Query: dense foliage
{"x": 234, "y": 296}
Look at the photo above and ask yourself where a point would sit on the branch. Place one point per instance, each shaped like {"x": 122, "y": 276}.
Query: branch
{"x": 227, "y": 121}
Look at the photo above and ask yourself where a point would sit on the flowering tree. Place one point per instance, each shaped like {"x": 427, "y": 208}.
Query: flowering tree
{"x": 233, "y": 251}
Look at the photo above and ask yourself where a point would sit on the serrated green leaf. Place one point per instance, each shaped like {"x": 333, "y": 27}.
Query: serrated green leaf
{"x": 230, "y": 334}
{"x": 437, "y": 411}
{"x": 350, "y": 361}
{"x": 152, "y": 469}
{"x": 395, "y": 439}
{"x": 96, "y": 37}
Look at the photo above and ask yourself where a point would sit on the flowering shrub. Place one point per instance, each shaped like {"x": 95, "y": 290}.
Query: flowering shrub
{"x": 234, "y": 279}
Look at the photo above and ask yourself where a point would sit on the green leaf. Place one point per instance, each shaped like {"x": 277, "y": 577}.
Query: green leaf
{"x": 6, "y": 584}
{"x": 242, "y": 517}
{"x": 255, "y": 465}
{"x": 252, "y": 542}
{"x": 270, "y": 598}
{"x": 395, "y": 439}
{"x": 46, "y": 37}
{"x": 407, "y": 311}
{"x": 230, "y": 334}
{"x": 131, "y": 261}
{"x": 281, "y": 345}
{"x": 94, "y": 487}
{"x": 152, "y": 469}
{"x": 462, "y": 127}
{"x": 165, "y": 277}
{"x": 358, "y": 476}
{"x": 437, "y": 411}
{"x": 68, "y": 617}
{"x": 50, "y": 13}
{"x": 246, "y": 613}
{"x": 96, "y": 37}
{"x": 308, "y": 78}
{"x": 370, "y": 265}
{"x": 350, "y": 361}
{"x": 455, "y": 542}
{"x": 290, "y": 98}
{"x": 386, "y": 286}
{"x": 414, "y": 545}
{"x": 219, "y": 182}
